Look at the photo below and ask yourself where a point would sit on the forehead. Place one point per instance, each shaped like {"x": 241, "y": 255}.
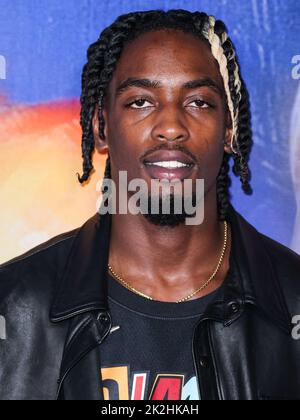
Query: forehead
{"x": 172, "y": 56}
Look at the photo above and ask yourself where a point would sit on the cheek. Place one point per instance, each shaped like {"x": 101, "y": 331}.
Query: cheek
{"x": 123, "y": 150}
{"x": 211, "y": 125}
{"x": 209, "y": 135}
{"x": 127, "y": 141}
{"x": 218, "y": 127}
{"x": 212, "y": 163}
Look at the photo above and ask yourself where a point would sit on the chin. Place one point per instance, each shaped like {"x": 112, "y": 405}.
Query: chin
{"x": 171, "y": 219}
{"x": 166, "y": 220}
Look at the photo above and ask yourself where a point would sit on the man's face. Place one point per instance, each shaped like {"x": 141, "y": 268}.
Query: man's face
{"x": 170, "y": 121}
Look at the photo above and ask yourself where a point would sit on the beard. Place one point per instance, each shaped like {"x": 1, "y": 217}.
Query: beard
{"x": 173, "y": 218}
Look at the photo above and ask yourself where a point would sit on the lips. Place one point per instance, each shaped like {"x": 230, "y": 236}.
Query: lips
{"x": 168, "y": 164}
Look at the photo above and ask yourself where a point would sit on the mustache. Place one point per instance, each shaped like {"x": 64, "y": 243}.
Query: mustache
{"x": 169, "y": 148}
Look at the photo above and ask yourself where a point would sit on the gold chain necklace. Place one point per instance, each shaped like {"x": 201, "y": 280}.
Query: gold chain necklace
{"x": 128, "y": 286}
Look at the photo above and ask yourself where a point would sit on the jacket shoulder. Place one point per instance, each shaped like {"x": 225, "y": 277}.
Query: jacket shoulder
{"x": 281, "y": 254}
{"x": 45, "y": 249}
{"x": 38, "y": 265}
{"x": 286, "y": 264}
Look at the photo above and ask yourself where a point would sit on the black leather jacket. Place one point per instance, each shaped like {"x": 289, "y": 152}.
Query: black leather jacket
{"x": 54, "y": 301}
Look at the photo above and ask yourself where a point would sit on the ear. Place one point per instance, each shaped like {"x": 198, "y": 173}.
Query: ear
{"x": 228, "y": 133}
{"x": 100, "y": 144}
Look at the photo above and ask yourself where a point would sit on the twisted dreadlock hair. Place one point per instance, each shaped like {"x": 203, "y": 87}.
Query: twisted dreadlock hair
{"x": 103, "y": 56}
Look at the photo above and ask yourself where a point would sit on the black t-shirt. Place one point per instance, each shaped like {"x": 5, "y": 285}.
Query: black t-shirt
{"x": 150, "y": 357}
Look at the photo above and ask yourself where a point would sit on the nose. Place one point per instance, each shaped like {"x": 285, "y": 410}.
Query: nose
{"x": 169, "y": 126}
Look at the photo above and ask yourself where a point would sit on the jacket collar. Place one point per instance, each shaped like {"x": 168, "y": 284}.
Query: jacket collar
{"x": 83, "y": 287}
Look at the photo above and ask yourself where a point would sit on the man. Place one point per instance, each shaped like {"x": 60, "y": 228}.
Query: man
{"x": 146, "y": 306}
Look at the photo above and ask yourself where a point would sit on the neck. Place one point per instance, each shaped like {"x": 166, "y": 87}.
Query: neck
{"x": 169, "y": 263}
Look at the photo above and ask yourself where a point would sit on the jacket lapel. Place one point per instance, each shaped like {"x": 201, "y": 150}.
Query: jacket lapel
{"x": 82, "y": 285}
{"x": 81, "y": 299}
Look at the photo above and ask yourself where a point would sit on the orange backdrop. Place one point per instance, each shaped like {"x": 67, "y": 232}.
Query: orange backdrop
{"x": 40, "y": 193}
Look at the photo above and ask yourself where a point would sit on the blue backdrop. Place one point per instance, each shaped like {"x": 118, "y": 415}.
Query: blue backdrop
{"x": 45, "y": 42}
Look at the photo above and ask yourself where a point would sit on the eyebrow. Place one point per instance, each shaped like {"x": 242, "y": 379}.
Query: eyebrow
{"x": 154, "y": 84}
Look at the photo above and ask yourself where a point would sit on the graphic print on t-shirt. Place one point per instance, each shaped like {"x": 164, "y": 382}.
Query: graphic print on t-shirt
{"x": 119, "y": 383}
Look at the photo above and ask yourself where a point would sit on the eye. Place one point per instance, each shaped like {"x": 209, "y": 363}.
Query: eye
{"x": 200, "y": 104}
{"x": 139, "y": 102}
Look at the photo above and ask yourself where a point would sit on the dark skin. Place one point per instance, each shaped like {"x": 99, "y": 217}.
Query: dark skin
{"x": 162, "y": 262}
